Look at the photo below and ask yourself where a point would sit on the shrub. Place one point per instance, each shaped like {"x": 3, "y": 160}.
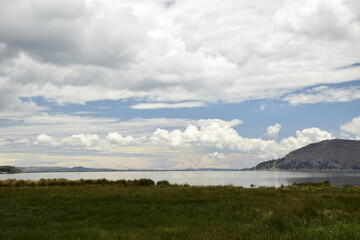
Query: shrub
{"x": 144, "y": 182}
{"x": 102, "y": 181}
{"x": 163, "y": 183}
{"x": 312, "y": 184}
{"x": 121, "y": 182}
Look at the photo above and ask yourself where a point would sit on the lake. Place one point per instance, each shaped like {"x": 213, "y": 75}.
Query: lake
{"x": 208, "y": 178}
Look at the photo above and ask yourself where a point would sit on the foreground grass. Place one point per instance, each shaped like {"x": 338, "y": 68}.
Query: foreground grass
{"x": 128, "y": 210}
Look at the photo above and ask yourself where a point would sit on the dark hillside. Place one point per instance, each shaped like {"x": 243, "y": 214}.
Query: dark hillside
{"x": 9, "y": 169}
{"x": 336, "y": 154}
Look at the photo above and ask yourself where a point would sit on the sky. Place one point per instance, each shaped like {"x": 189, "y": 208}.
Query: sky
{"x": 174, "y": 84}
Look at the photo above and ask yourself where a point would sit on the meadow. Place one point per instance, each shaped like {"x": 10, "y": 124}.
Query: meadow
{"x": 102, "y": 209}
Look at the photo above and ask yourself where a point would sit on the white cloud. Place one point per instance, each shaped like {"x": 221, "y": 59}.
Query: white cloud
{"x": 318, "y": 19}
{"x": 325, "y": 94}
{"x": 211, "y": 133}
{"x": 167, "y": 105}
{"x": 25, "y": 141}
{"x": 352, "y": 127}
{"x": 3, "y": 142}
{"x": 211, "y": 122}
{"x": 61, "y": 125}
{"x": 44, "y": 139}
{"x": 10, "y": 102}
{"x": 219, "y": 135}
{"x": 95, "y": 50}
{"x": 118, "y": 139}
{"x": 87, "y": 141}
{"x": 200, "y": 134}
{"x": 303, "y": 138}
{"x": 273, "y": 131}
{"x": 168, "y": 54}
{"x": 263, "y": 107}
{"x": 187, "y": 146}
{"x": 82, "y": 140}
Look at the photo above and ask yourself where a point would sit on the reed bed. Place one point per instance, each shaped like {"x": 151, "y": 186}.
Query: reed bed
{"x": 141, "y": 209}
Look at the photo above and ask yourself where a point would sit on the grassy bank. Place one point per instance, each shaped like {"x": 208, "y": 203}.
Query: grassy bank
{"x": 49, "y": 209}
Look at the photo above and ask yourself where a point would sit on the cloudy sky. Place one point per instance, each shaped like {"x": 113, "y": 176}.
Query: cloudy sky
{"x": 167, "y": 84}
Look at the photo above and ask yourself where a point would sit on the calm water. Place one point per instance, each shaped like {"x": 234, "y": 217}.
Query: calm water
{"x": 207, "y": 178}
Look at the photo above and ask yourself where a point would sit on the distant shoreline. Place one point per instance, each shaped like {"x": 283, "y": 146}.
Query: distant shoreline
{"x": 188, "y": 170}
{"x": 38, "y": 169}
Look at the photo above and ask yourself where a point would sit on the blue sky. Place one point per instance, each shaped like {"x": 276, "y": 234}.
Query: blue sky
{"x": 173, "y": 84}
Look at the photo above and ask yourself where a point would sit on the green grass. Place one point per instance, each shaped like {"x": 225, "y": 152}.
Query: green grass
{"x": 128, "y": 210}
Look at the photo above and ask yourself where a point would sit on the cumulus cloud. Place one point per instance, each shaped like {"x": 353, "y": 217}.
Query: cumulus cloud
{"x": 116, "y": 139}
{"x": 82, "y": 140}
{"x": 94, "y": 141}
{"x": 211, "y": 133}
{"x": 352, "y": 127}
{"x": 44, "y": 139}
{"x": 159, "y": 54}
{"x": 303, "y": 138}
{"x": 87, "y": 141}
{"x": 324, "y": 94}
{"x": 158, "y": 51}
{"x": 318, "y": 19}
{"x": 273, "y": 131}
{"x": 205, "y": 134}
{"x": 220, "y": 135}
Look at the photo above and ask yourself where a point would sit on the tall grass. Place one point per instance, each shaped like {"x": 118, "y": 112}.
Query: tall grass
{"x": 65, "y": 182}
{"x": 101, "y": 209}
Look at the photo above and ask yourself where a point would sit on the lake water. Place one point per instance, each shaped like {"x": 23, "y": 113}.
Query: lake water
{"x": 208, "y": 178}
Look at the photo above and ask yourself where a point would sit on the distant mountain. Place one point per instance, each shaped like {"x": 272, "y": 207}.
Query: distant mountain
{"x": 63, "y": 169}
{"x": 336, "y": 154}
{"x": 33, "y": 169}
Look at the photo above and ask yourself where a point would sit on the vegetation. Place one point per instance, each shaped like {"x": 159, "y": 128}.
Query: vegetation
{"x": 102, "y": 209}
{"x": 65, "y": 182}
{"x": 9, "y": 169}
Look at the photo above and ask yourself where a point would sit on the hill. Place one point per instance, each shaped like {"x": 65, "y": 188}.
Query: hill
{"x": 32, "y": 169}
{"x": 336, "y": 154}
{"x": 9, "y": 169}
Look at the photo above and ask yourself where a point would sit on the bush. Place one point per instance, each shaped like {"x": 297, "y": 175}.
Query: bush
{"x": 312, "y": 184}
{"x": 121, "y": 182}
{"x": 163, "y": 183}
{"x": 144, "y": 182}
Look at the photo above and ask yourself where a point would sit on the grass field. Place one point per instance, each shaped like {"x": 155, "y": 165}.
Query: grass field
{"x": 141, "y": 210}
